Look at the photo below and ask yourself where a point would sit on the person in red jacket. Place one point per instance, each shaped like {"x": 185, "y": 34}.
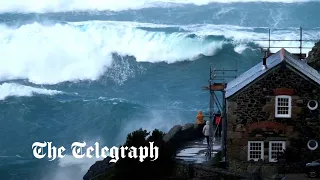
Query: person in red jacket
{"x": 218, "y": 120}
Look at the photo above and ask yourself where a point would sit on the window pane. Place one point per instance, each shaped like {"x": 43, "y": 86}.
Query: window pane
{"x": 283, "y": 107}
{"x": 275, "y": 149}
{"x": 255, "y": 150}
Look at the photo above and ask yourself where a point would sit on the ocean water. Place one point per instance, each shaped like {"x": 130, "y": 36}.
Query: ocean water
{"x": 94, "y": 70}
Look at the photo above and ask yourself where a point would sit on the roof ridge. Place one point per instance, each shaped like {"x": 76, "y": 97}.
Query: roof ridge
{"x": 272, "y": 61}
{"x": 282, "y": 54}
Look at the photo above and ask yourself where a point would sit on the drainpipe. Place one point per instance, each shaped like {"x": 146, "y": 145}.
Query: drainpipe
{"x": 224, "y": 129}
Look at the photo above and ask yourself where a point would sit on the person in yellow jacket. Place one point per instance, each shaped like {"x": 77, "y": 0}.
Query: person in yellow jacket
{"x": 200, "y": 118}
{"x": 200, "y": 122}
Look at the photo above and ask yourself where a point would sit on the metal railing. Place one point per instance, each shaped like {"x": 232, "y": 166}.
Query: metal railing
{"x": 288, "y": 40}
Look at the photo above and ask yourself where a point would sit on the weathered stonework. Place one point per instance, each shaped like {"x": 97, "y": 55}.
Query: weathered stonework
{"x": 256, "y": 103}
{"x": 201, "y": 171}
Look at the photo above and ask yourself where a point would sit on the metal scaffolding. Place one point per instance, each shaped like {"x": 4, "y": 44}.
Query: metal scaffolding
{"x": 217, "y": 84}
{"x": 302, "y": 56}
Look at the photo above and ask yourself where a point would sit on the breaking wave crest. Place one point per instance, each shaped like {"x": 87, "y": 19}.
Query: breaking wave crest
{"x": 28, "y": 6}
{"x": 50, "y": 54}
{"x": 70, "y": 52}
{"x": 14, "y": 89}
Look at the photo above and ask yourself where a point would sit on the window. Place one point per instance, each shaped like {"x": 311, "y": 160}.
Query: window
{"x": 275, "y": 147}
{"x": 255, "y": 150}
{"x": 283, "y": 107}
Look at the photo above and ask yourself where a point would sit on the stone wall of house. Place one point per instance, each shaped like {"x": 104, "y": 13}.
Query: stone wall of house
{"x": 257, "y": 104}
{"x": 203, "y": 171}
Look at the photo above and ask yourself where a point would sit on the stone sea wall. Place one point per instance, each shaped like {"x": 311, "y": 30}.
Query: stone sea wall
{"x": 179, "y": 134}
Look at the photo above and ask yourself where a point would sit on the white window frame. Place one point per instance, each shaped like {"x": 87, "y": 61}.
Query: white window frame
{"x": 277, "y": 115}
{"x": 271, "y": 159}
{"x": 261, "y": 151}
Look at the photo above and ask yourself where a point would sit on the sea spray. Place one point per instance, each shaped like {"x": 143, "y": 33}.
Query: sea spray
{"x": 31, "y": 6}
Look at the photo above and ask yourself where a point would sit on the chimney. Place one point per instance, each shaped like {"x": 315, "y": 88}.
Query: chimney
{"x": 264, "y": 60}
{"x": 264, "y": 63}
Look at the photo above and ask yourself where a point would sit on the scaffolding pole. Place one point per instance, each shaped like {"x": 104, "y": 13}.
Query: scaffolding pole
{"x": 300, "y": 47}
{"x": 217, "y": 83}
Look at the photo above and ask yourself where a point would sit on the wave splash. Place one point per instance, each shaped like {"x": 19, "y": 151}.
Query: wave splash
{"x": 69, "y": 168}
{"x": 85, "y": 50}
{"x": 14, "y": 89}
{"x": 31, "y": 6}
{"x": 71, "y": 52}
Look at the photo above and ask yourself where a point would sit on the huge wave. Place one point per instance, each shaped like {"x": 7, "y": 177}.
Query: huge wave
{"x": 50, "y": 54}
{"x": 173, "y": 50}
{"x": 28, "y": 6}
{"x": 69, "y": 52}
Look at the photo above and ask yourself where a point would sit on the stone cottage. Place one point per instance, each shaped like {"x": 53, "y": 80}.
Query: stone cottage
{"x": 271, "y": 108}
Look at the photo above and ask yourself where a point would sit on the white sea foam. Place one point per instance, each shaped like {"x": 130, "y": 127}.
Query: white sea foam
{"x": 70, "y": 168}
{"x": 240, "y": 48}
{"x": 114, "y": 5}
{"x": 14, "y": 89}
{"x": 243, "y": 35}
{"x": 154, "y": 119}
{"x": 58, "y": 53}
{"x": 51, "y": 54}
{"x": 83, "y": 50}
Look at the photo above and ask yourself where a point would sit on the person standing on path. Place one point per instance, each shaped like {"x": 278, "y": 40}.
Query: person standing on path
{"x": 200, "y": 122}
{"x": 206, "y": 130}
{"x": 218, "y": 123}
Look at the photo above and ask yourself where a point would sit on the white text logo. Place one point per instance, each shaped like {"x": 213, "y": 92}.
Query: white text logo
{"x": 80, "y": 150}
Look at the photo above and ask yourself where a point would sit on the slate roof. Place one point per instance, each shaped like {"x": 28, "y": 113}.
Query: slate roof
{"x": 255, "y": 72}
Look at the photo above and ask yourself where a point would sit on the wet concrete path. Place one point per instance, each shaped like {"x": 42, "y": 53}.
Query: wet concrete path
{"x": 195, "y": 151}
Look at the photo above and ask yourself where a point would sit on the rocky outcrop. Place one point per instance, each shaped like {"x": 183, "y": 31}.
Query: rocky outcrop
{"x": 98, "y": 168}
{"x": 172, "y": 134}
{"x": 314, "y": 57}
{"x": 180, "y": 134}
{"x": 176, "y": 136}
